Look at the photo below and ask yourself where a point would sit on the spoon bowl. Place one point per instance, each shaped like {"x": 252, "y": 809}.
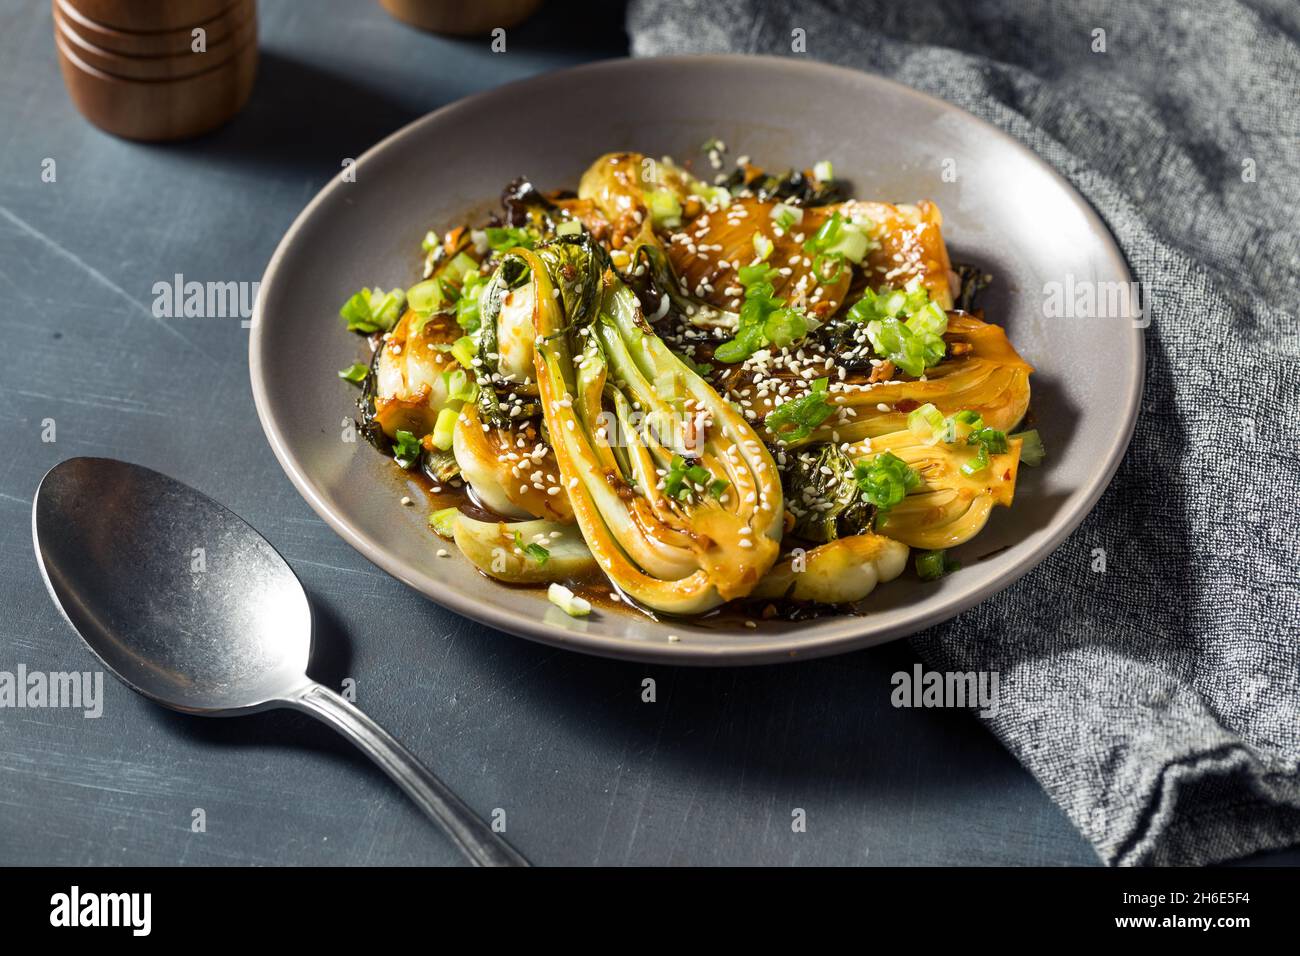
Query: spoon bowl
{"x": 187, "y": 604}
{"x": 192, "y": 607}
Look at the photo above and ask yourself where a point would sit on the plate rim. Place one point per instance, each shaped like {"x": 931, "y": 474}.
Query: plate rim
{"x": 755, "y": 651}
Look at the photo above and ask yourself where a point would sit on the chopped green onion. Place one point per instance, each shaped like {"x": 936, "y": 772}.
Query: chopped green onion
{"x": 786, "y": 216}
{"x": 819, "y": 269}
{"x": 570, "y": 227}
{"x": 889, "y": 304}
{"x": 756, "y": 314}
{"x": 714, "y": 195}
{"x": 444, "y": 429}
{"x": 932, "y": 565}
{"x": 463, "y": 350}
{"x": 682, "y": 479}
{"x": 467, "y": 306}
{"x": 824, "y": 171}
{"x": 784, "y": 327}
{"x": 533, "y": 549}
{"x": 444, "y": 522}
{"x": 665, "y": 210}
{"x": 991, "y": 438}
{"x": 989, "y": 441}
{"x": 373, "y": 310}
{"x": 505, "y": 238}
{"x": 892, "y": 340}
{"x": 755, "y": 274}
{"x": 885, "y": 480}
{"x": 927, "y": 420}
{"x": 762, "y": 246}
{"x": 567, "y": 601}
{"x": 930, "y": 319}
{"x": 746, "y": 343}
{"x": 853, "y": 244}
{"x": 424, "y": 297}
{"x": 355, "y": 373}
{"x": 1032, "y": 451}
{"x": 795, "y": 420}
{"x": 460, "y": 266}
{"x": 960, "y": 425}
{"x": 461, "y": 386}
{"x": 430, "y": 241}
{"x": 973, "y": 466}
{"x": 827, "y": 234}
{"x": 406, "y": 449}
{"x": 914, "y": 343}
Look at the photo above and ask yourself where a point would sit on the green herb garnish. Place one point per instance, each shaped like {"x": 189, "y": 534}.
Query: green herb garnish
{"x": 684, "y": 478}
{"x": 443, "y": 521}
{"x": 505, "y": 238}
{"x": 373, "y": 310}
{"x": 904, "y": 327}
{"x": 406, "y": 449}
{"x": 533, "y": 550}
{"x": 826, "y": 235}
{"x": 885, "y": 480}
{"x": 932, "y": 565}
{"x": 764, "y": 319}
{"x": 796, "y": 419}
{"x": 989, "y": 441}
{"x": 355, "y": 373}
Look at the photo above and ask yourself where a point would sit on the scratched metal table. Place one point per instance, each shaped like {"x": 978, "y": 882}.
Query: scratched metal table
{"x": 714, "y": 771}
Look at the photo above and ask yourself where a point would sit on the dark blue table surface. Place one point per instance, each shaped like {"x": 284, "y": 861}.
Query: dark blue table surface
{"x": 586, "y": 772}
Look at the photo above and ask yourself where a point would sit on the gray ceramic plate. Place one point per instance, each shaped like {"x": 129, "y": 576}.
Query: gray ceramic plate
{"x": 1006, "y": 211}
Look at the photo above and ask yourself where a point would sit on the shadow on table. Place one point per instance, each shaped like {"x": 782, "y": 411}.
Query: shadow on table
{"x": 575, "y": 30}
{"x": 783, "y": 729}
{"x": 306, "y": 118}
{"x": 302, "y": 117}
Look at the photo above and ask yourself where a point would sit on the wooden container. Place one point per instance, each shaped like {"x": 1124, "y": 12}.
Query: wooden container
{"x": 170, "y": 106}
{"x": 150, "y": 16}
{"x": 177, "y": 66}
{"x": 172, "y": 41}
{"x": 461, "y": 18}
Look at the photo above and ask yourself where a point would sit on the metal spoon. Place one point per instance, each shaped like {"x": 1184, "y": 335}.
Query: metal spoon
{"x": 192, "y": 608}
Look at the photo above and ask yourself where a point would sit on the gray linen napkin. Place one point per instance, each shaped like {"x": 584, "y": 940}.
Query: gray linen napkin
{"x": 1158, "y": 702}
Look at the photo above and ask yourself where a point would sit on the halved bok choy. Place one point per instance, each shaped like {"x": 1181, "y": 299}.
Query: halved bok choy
{"x": 677, "y": 498}
{"x": 982, "y": 372}
{"x": 952, "y": 501}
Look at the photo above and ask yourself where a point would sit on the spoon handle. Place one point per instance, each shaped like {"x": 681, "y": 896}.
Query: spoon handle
{"x": 474, "y": 837}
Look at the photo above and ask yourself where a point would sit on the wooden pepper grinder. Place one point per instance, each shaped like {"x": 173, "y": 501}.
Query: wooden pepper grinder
{"x": 157, "y": 69}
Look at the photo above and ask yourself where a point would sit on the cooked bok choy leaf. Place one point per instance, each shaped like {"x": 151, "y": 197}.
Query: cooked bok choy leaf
{"x": 821, "y": 495}
{"x": 981, "y": 372}
{"x": 510, "y": 551}
{"x": 618, "y": 407}
{"x": 952, "y": 501}
{"x": 844, "y": 570}
{"x": 411, "y": 374}
{"x": 511, "y": 478}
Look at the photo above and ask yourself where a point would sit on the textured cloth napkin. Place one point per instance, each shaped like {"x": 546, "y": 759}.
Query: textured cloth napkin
{"x": 1158, "y": 702}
